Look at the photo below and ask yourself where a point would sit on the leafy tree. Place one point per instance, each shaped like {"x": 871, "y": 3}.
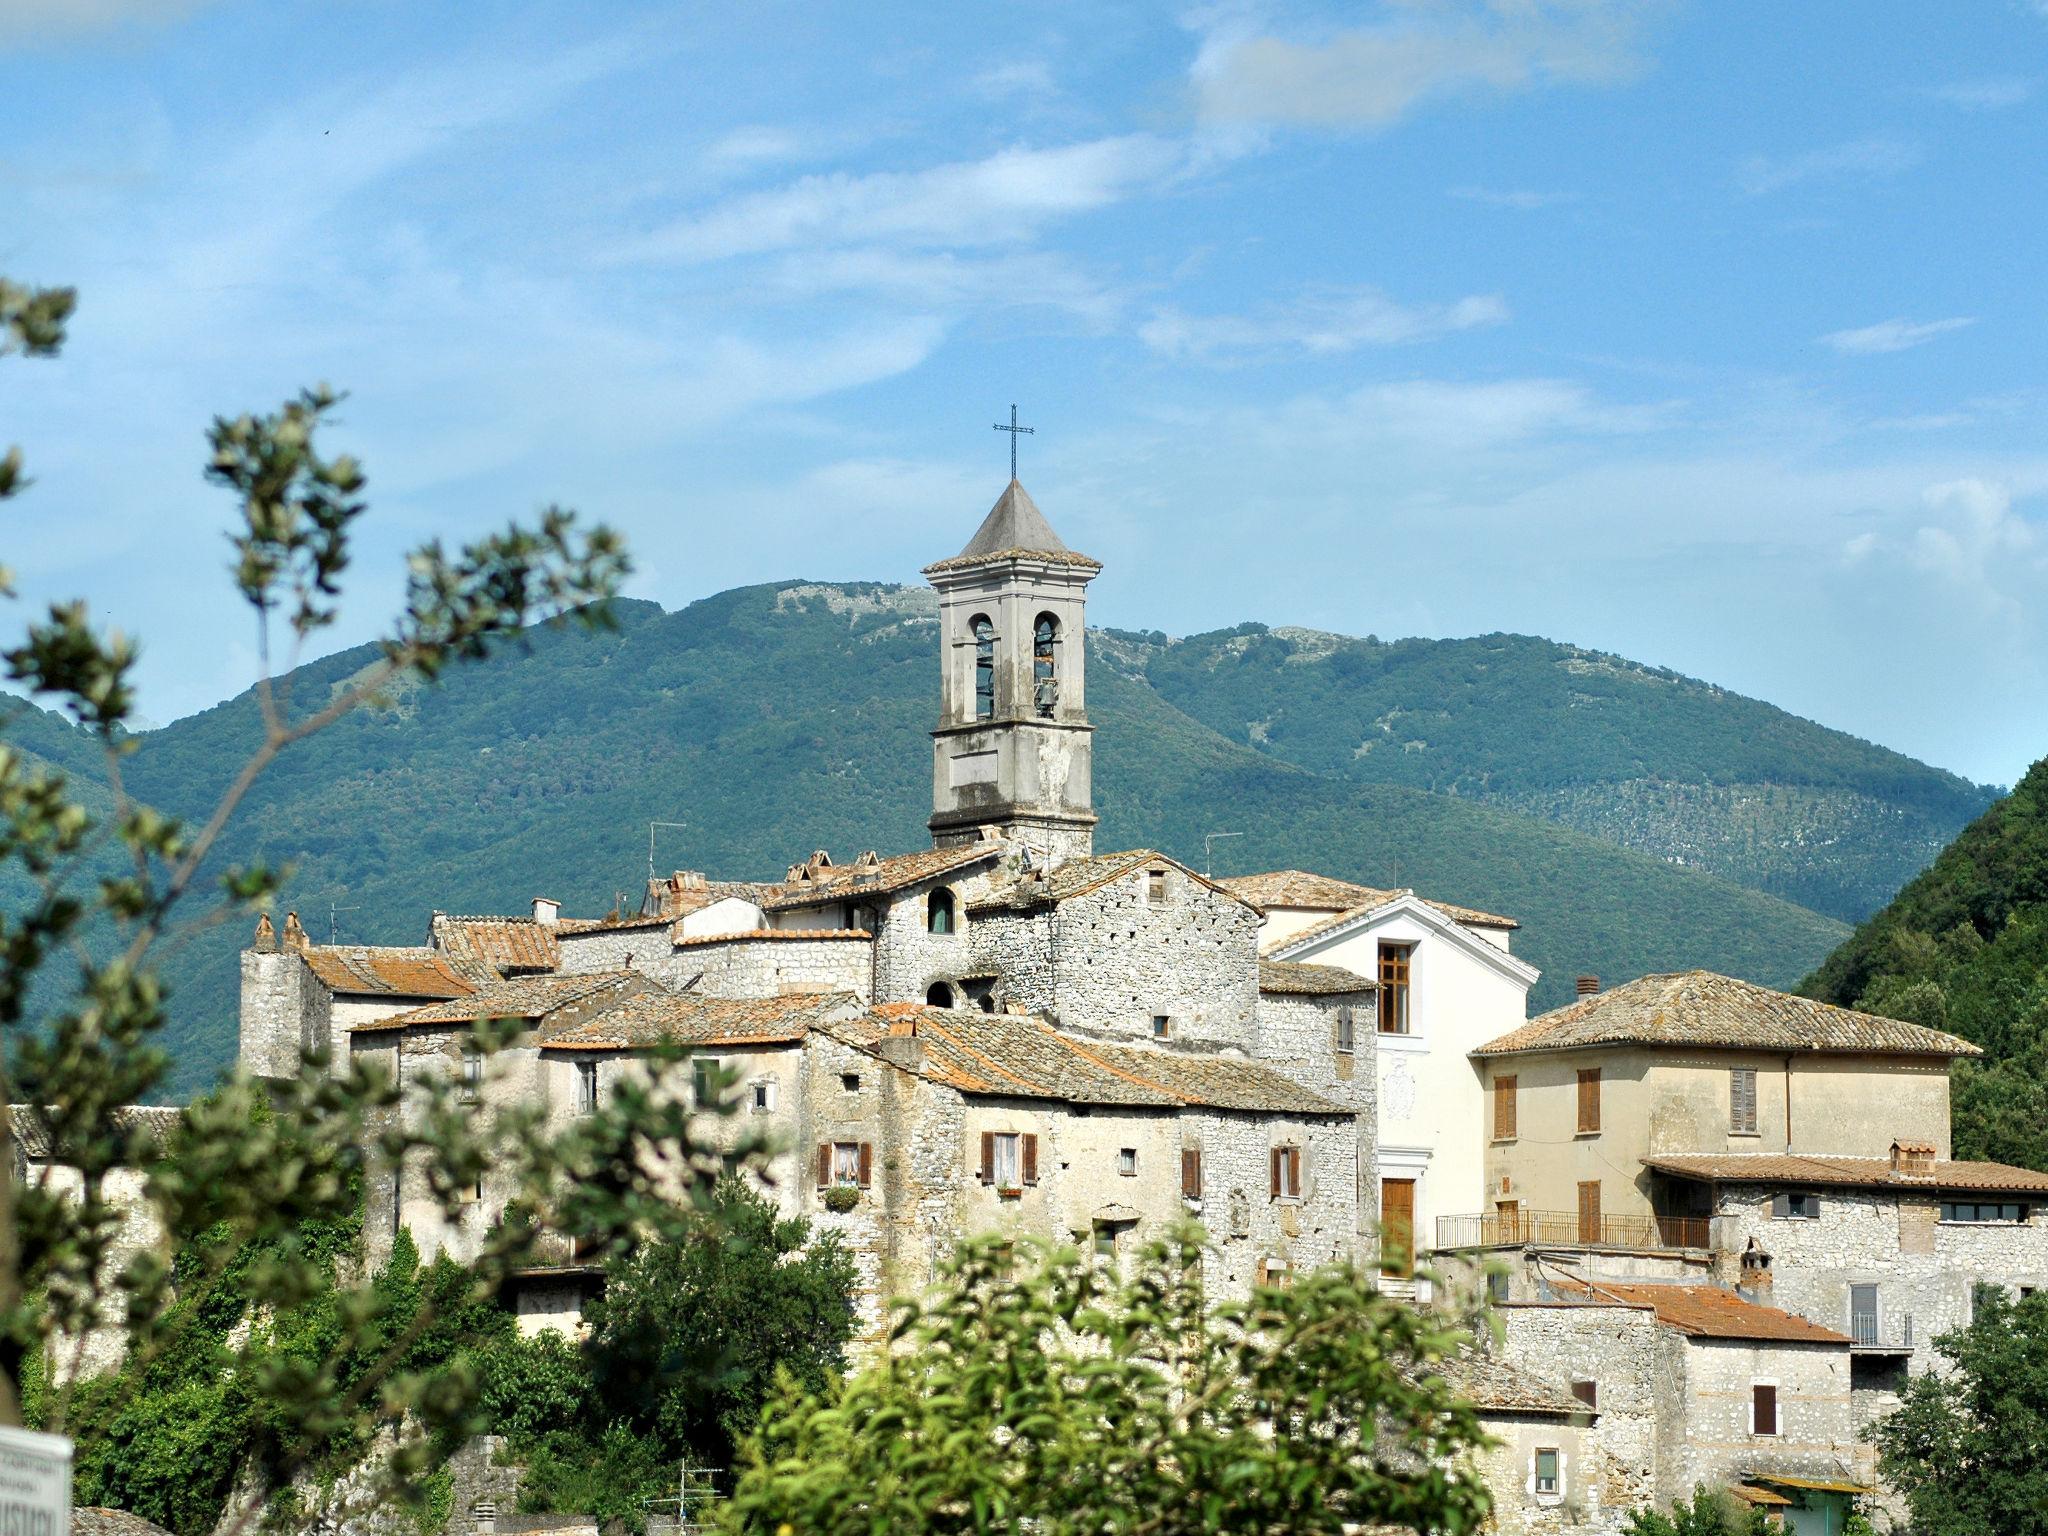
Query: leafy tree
{"x": 1964, "y": 1445}
{"x": 1038, "y": 1391}
{"x": 1710, "y": 1513}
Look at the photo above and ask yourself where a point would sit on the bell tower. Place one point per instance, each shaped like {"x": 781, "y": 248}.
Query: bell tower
{"x": 1012, "y": 748}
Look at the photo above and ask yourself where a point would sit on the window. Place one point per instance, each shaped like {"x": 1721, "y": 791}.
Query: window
{"x": 1587, "y": 1392}
{"x": 764, "y": 1096}
{"x": 705, "y": 1080}
{"x": 1863, "y": 1314}
{"x": 845, "y": 1162}
{"x": 1504, "y": 1108}
{"x": 1275, "y": 1272}
{"x": 1982, "y": 1210}
{"x": 1009, "y": 1159}
{"x": 1589, "y": 1101}
{"x": 984, "y": 666}
{"x": 1045, "y": 665}
{"x": 472, "y": 1077}
{"x": 850, "y": 1081}
{"x": 1546, "y": 1473}
{"x": 938, "y": 911}
{"x": 586, "y": 1087}
{"x": 1496, "y": 1286}
{"x": 1127, "y": 1162}
{"x": 1286, "y": 1173}
{"x": 1742, "y": 1101}
{"x": 1155, "y": 887}
{"x": 1162, "y": 1026}
{"x": 938, "y": 995}
{"x": 1191, "y": 1173}
{"x": 1796, "y": 1205}
{"x": 1394, "y": 959}
{"x": 1347, "y": 1029}
{"x": 1590, "y": 1228}
{"x": 1105, "y": 1240}
{"x": 1763, "y": 1408}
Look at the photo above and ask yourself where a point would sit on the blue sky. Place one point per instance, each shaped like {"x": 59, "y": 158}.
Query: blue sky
{"x": 1707, "y": 334}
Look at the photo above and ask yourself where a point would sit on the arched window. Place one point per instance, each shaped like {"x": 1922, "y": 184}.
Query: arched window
{"x": 939, "y": 995}
{"x": 938, "y": 912}
{"x": 984, "y": 666}
{"x": 1045, "y": 665}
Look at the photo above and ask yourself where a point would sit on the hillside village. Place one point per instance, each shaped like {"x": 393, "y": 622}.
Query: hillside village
{"x": 1719, "y": 1224}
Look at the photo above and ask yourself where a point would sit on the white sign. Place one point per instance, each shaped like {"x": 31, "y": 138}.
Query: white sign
{"x": 35, "y": 1484}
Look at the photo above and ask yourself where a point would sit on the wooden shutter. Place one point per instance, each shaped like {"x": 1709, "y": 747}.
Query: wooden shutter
{"x": 1504, "y": 1108}
{"x": 867, "y": 1163}
{"x": 824, "y": 1165}
{"x": 1030, "y": 1158}
{"x": 988, "y": 1157}
{"x": 1297, "y": 1184}
{"x": 1273, "y": 1181}
{"x": 1764, "y": 1409}
{"x": 1589, "y": 1212}
{"x": 1589, "y": 1099}
{"x": 1191, "y": 1172}
{"x": 1742, "y": 1099}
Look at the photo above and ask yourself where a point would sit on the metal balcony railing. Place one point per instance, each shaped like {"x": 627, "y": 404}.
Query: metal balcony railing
{"x": 1869, "y": 1331}
{"x": 1569, "y": 1229}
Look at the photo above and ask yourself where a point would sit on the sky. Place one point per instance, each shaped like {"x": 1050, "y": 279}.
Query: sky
{"x": 1708, "y": 334}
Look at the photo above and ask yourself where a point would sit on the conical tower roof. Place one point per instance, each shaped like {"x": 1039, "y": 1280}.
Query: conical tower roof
{"x": 1014, "y": 528}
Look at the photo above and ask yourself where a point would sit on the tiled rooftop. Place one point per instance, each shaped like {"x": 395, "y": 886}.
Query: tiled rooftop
{"x": 27, "y": 1124}
{"x": 1849, "y": 1172}
{"x": 661, "y": 1017}
{"x": 1489, "y": 1382}
{"x": 1708, "y": 1312}
{"x": 812, "y": 883}
{"x": 393, "y": 972}
{"x": 1289, "y": 976}
{"x": 518, "y": 997}
{"x": 507, "y": 943}
{"x": 1077, "y": 877}
{"x": 1469, "y": 917}
{"x": 771, "y": 936}
{"x": 1701, "y": 1008}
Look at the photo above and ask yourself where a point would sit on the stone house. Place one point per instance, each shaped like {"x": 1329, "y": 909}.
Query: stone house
{"x": 1446, "y": 980}
{"x": 1542, "y": 1466}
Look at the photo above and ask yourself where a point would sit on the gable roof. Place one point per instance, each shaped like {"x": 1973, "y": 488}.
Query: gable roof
{"x": 1709, "y": 1312}
{"x": 391, "y": 971}
{"x": 507, "y": 943}
{"x": 31, "y": 1131}
{"x": 1494, "y": 1385}
{"x": 661, "y": 1017}
{"x": 1078, "y": 877}
{"x": 1014, "y": 528}
{"x": 1849, "y": 1172}
{"x": 1007, "y": 1055}
{"x": 1313, "y": 892}
{"x": 518, "y": 997}
{"x": 846, "y": 882}
{"x": 1291, "y": 976}
{"x": 1700, "y": 1008}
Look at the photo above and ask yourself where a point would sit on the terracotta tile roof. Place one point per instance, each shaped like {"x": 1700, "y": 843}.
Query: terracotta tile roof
{"x": 662, "y": 1017}
{"x": 1701, "y": 1008}
{"x": 848, "y": 882}
{"x": 1309, "y": 980}
{"x": 508, "y": 943}
{"x": 1848, "y": 1172}
{"x": 1708, "y": 1312}
{"x": 771, "y": 936}
{"x": 1010, "y": 1055}
{"x": 1468, "y": 917}
{"x": 1491, "y": 1383}
{"x": 391, "y": 971}
{"x": 33, "y": 1133}
{"x": 1300, "y": 888}
{"x": 1077, "y": 877}
{"x": 517, "y": 997}
{"x": 687, "y": 891}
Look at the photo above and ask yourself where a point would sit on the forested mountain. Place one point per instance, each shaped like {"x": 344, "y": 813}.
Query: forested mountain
{"x": 778, "y": 719}
{"x": 1636, "y": 755}
{"x": 1965, "y": 947}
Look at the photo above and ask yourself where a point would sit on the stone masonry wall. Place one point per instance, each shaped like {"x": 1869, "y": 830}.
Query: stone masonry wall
{"x": 285, "y": 1012}
{"x": 1508, "y": 1468}
{"x": 1816, "y": 1426}
{"x": 1620, "y": 1350}
{"x": 909, "y": 957}
{"x": 730, "y": 965}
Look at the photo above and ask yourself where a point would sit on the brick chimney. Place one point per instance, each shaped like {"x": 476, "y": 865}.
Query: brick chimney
{"x": 1913, "y": 1159}
{"x": 1589, "y": 986}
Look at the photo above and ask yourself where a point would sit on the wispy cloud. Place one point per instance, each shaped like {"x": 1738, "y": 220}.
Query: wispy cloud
{"x": 1020, "y": 77}
{"x": 1989, "y": 95}
{"x": 1521, "y": 199}
{"x": 1867, "y": 158}
{"x": 1371, "y": 76}
{"x": 35, "y": 21}
{"x": 1326, "y": 324}
{"x": 745, "y": 148}
{"x": 1893, "y": 335}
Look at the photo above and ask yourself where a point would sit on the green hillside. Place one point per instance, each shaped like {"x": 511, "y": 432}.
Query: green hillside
{"x": 774, "y": 720}
{"x": 1636, "y": 755}
{"x": 1965, "y": 947}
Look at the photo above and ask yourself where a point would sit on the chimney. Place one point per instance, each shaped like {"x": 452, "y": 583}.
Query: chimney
{"x": 266, "y": 936}
{"x": 1589, "y": 986}
{"x": 294, "y": 935}
{"x": 546, "y": 911}
{"x": 1913, "y": 1159}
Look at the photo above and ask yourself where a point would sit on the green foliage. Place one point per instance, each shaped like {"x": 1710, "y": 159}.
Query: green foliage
{"x": 1963, "y": 1448}
{"x": 1041, "y": 1392}
{"x": 1964, "y": 947}
{"x": 1710, "y": 1513}
{"x": 610, "y": 1473}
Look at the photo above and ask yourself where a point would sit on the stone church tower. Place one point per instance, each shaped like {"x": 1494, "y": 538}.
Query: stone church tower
{"x": 1012, "y": 747}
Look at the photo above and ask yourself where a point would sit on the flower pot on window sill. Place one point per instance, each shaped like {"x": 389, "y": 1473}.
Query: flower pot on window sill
{"x": 841, "y": 1198}
{"x": 1009, "y": 1191}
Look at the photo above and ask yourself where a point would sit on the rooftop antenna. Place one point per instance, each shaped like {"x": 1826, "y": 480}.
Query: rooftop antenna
{"x": 696, "y": 1489}
{"x": 1015, "y": 432}
{"x": 1209, "y": 841}
{"x": 678, "y": 825}
{"x": 334, "y": 922}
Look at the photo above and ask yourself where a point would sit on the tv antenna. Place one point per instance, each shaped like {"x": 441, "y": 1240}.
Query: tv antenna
{"x": 1209, "y": 841}
{"x": 334, "y": 922}
{"x": 695, "y": 1489}
{"x": 677, "y": 825}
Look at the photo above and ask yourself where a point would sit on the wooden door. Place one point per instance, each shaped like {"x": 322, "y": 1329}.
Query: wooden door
{"x": 1589, "y": 1212}
{"x": 1397, "y": 1227}
{"x": 1507, "y": 1221}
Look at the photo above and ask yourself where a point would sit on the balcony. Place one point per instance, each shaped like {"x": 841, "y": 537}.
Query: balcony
{"x": 1873, "y": 1335}
{"x": 1569, "y": 1229}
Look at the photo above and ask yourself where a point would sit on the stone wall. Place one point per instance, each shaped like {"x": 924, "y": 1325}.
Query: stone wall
{"x": 1624, "y": 1352}
{"x": 1508, "y": 1468}
{"x": 285, "y": 1012}
{"x": 909, "y": 958}
{"x": 1816, "y": 1425}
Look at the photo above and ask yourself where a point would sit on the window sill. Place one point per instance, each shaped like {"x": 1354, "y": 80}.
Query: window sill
{"x": 1968, "y": 1225}
{"x": 1286, "y": 1199}
{"x": 1746, "y": 1135}
{"x": 1585, "y": 1136}
{"x": 1502, "y": 1141}
{"x": 1011, "y": 1192}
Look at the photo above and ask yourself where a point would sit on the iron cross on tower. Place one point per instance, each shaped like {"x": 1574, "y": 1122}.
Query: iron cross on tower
{"x": 1013, "y": 429}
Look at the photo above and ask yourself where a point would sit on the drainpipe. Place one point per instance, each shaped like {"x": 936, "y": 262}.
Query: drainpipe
{"x": 1788, "y": 1101}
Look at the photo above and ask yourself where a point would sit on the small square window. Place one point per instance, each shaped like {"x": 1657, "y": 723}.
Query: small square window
{"x": 1127, "y": 1161}
{"x": 764, "y": 1096}
{"x": 850, "y": 1081}
{"x": 1802, "y": 1205}
{"x": 1162, "y": 1026}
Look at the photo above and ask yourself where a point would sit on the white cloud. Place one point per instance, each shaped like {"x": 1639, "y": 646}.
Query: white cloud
{"x": 1020, "y": 78}
{"x": 1989, "y": 95}
{"x": 1976, "y": 539}
{"x": 1866, "y": 158}
{"x": 1373, "y": 75}
{"x": 1327, "y": 324}
{"x": 745, "y": 148}
{"x": 51, "y": 20}
{"x": 1521, "y": 199}
{"x": 1893, "y": 335}
{"x": 1005, "y": 197}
